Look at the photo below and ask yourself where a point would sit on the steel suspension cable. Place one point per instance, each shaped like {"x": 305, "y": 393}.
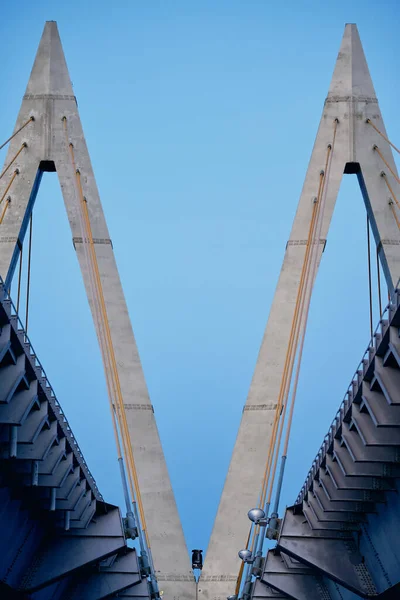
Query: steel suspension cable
{"x": 109, "y": 355}
{"x": 378, "y": 270}
{"x": 382, "y": 135}
{"x": 121, "y": 415}
{"x": 385, "y": 179}
{"x": 28, "y": 284}
{"x": 278, "y": 411}
{"x": 19, "y": 279}
{"x": 313, "y": 246}
{"x": 14, "y": 175}
{"x": 17, "y": 132}
{"x": 104, "y": 354}
{"x": 106, "y": 340}
{"x": 314, "y": 242}
{"x": 4, "y": 210}
{"x": 369, "y": 279}
{"x": 293, "y": 341}
{"x": 396, "y": 219}
{"x": 91, "y": 285}
{"x": 120, "y": 407}
{"x": 307, "y": 309}
{"x": 377, "y": 150}
{"x": 24, "y": 145}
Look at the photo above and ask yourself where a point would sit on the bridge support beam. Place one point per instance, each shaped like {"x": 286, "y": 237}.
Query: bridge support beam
{"x": 64, "y": 552}
{"x": 333, "y": 554}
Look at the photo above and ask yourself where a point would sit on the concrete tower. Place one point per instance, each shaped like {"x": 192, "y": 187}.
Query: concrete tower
{"x": 49, "y": 98}
{"x": 351, "y": 100}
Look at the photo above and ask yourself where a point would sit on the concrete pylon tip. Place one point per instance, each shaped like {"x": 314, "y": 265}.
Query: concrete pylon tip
{"x": 351, "y": 77}
{"x": 49, "y": 75}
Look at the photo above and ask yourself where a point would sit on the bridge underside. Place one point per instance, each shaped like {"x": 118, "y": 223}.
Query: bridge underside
{"x": 340, "y": 541}
{"x": 59, "y": 539}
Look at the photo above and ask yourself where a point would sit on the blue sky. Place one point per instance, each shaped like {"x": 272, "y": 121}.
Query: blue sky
{"x": 200, "y": 119}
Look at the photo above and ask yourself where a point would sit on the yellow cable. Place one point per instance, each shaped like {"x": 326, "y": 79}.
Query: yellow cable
{"x": 313, "y": 275}
{"x": 386, "y": 163}
{"x": 24, "y": 145}
{"x": 293, "y": 340}
{"x": 16, "y": 132}
{"x": 278, "y": 414}
{"x": 109, "y": 350}
{"x": 296, "y": 323}
{"x": 395, "y": 216}
{"x": 124, "y": 430}
{"x": 4, "y": 210}
{"x": 101, "y": 339}
{"x": 383, "y": 175}
{"x": 382, "y": 135}
{"x": 124, "y": 426}
{"x": 16, "y": 172}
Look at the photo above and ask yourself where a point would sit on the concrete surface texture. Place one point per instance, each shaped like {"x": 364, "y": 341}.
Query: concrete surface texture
{"x": 351, "y": 100}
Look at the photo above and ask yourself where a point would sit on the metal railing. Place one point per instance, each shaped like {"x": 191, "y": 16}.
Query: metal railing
{"x": 347, "y": 401}
{"x": 47, "y": 388}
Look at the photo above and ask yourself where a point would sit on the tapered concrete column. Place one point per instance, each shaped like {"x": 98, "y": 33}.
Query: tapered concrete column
{"x": 351, "y": 100}
{"x": 49, "y": 98}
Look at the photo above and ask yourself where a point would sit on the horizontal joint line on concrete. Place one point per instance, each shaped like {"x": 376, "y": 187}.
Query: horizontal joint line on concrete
{"x": 49, "y": 97}
{"x": 8, "y": 240}
{"x": 382, "y": 243}
{"x": 78, "y": 240}
{"x": 304, "y": 242}
{"x": 390, "y": 242}
{"x": 350, "y": 99}
{"x": 270, "y": 406}
{"x": 139, "y": 407}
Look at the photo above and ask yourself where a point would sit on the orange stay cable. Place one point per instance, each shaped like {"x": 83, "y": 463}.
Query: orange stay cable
{"x": 383, "y": 175}
{"x": 293, "y": 335}
{"x": 16, "y": 172}
{"x": 4, "y": 210}
{"x": 289, "y": 356}
{"x": 278, "y": 412}
{"x": 382, "y": 135}
{"x": 314, "y": 269}
{"x": 395, "y": 216}
{"x": 302, "y": 292}
{"x": 17, "y": 132}
{"x": 386, "y": 163}
{"x": 108, "y": 353}
{"x": 24, "y": 145}
{"x": 120, "y": 406}
{"x": 108, "y": 341}
{"x": 272, "y": 450}
{"x": 101, "y": 337}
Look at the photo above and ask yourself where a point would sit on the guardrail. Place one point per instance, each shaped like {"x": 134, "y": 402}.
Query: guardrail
{"x": 357, "y": 378}
{"x": 58, "y": 411}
